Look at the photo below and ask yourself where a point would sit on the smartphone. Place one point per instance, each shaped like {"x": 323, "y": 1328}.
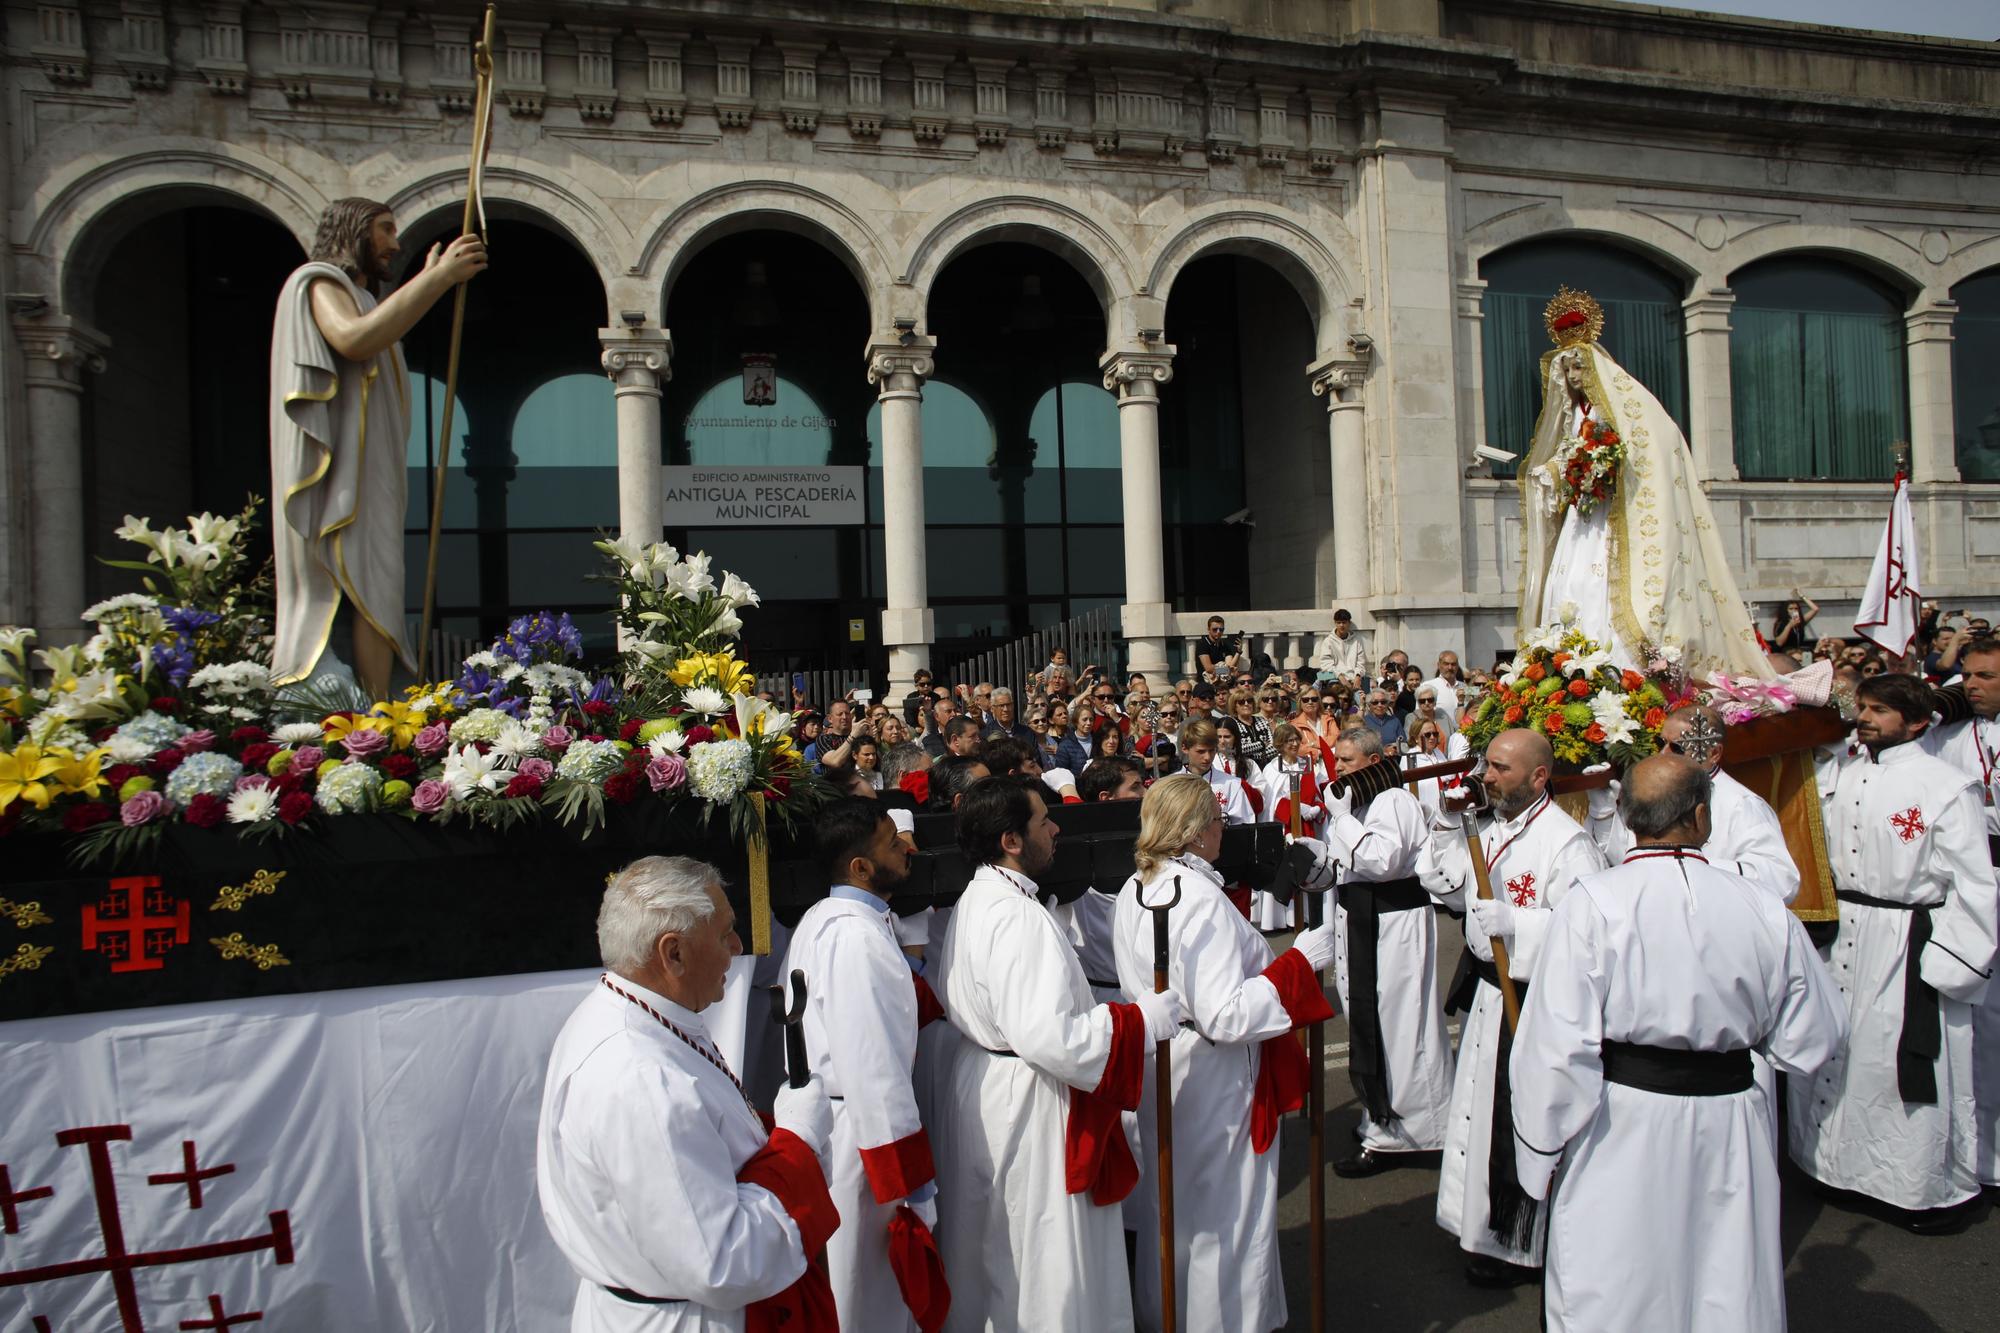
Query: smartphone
{"x": 864, "y": 695}
{"x": 798, "y": 682}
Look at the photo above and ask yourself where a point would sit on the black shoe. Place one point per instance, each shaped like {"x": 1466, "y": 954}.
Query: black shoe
{"x": 1485, "y": 1271}
{"x": 1941, "y": 1221}
{"x": 1367, "y": 1163}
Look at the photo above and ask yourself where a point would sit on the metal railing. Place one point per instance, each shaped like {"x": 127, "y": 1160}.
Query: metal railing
{"x": 1095, "y": 638}
{"x": 821, "y": 687}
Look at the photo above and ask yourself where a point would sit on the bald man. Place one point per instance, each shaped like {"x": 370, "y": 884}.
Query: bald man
{"x": 1746, "y": 838}
{"x": 1534, "y": 853}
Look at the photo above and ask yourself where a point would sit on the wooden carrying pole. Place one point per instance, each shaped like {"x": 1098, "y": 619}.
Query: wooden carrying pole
{"x": 1315, "y": 1116}
{"x": 1163, "y": 1101}
{"x": 482, "y": 118}
{"x": 1509, "y": 997}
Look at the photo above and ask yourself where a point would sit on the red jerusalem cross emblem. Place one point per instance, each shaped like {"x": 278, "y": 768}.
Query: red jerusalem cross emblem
{"x": 119, "y": 1259}
{"x": 135, "y": 923}
{"x": 1909, "y": 825}
{"x": 1521, "y": 889}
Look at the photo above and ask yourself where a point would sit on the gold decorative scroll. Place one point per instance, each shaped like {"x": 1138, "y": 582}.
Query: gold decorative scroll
{"x": 265, "y": 956}
{"x": 24, "y": 915}
{"x": 231, "y": 898}
{"x": 26, "y": 958}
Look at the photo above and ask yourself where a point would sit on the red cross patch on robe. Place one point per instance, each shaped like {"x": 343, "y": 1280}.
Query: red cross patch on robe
{"x": 1909, "y": 825}
{"x": 1521, "y": 889}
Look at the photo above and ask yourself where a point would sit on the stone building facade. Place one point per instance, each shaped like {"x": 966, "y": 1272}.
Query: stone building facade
{"x": 1364, "y": 166}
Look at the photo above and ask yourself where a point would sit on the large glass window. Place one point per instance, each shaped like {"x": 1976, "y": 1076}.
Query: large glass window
{"x": 1642, "y": 328}
{"x": 1975, "y": 387}
{"x": 1817, "y": 371}
{"x": 721, "y": 428}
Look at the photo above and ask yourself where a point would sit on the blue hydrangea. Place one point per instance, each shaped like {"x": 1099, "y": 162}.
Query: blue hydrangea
{"x": 203, "y": 774}
{"x": 145, "y": 734}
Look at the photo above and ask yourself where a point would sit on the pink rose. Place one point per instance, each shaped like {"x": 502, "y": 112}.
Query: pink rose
{"x": 539, "y": 769}
{"x": 430, "y": 796}
{"x": 197, "y": 741}
{"x": 249, "y": 780}
{"x": 143, "y": 808}
{"x": 666, "y": 773}
{"x": 360, "y": 743}
{"x": 307, "y": 759}
{"x": 432, "y": 739}
{"x": 557, "y": 737}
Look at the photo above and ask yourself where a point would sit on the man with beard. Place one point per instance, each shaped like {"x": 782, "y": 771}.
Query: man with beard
{"x": 1032, "y": 1154}
{"x": 340, "y": 417}
{"x": 1534, "y": 853}
{"x": 863, "y": 1008}
{"x": 1892, "y": 1117}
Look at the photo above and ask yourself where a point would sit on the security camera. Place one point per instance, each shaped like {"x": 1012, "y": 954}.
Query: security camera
{"x": 1360, "y": 344}
{"x": 1492, "y": 455}
{"x": 634, "y": 319}
{"x": 1241, "y": 518}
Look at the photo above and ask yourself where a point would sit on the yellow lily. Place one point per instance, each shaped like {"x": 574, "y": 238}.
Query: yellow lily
{"x": 401, "y": 722}
{"x": 721, "y": 670}
{"x": 336, "y": 727}
{"x": 21, "y": 775}
{"x": 80, "y": 775}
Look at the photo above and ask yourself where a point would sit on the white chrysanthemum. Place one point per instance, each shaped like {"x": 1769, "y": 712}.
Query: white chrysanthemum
{"x": 706, "y": 700}
{"x": 553, "y": 678}
{"x": 467, "y": 771}
{"x": 351, "y": 789}
{"x": 297, "y": 733}
{"x": 204, "y": 774}
{"x": 233, "y": 679}
{"x": 516, "y": 742}
{"x": 253, "y": 805}
{"x": 112, "y": 606}
{"x": 666, "y": 743}
{"x": 481, "y": 724}
{"x": 719, "y": 770}
{"x": 147, "y": 733}
{"x": 590, "y": 761}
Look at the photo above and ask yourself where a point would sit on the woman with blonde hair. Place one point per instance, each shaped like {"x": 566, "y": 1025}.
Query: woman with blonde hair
{"x": 1236, "y": 1067}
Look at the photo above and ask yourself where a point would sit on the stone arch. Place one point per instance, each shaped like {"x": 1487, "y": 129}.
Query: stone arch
{"x": 1283, "y": 242}
{"x": 80, "y": 213}
{"x": 1048, "y": 224}
{"x": 1970, "y": 261}
{"x": 1870, "y": 252}
{"x": 539, "y": 196}
{"x": 1671, "y": 249}
{"x": 676, "y": 234}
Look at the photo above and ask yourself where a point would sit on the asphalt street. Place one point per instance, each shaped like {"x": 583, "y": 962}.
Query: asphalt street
{"x": 1392, "y": 1269}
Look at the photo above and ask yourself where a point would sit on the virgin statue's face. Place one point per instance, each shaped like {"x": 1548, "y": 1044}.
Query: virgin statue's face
{"x": 1572, "y": 371}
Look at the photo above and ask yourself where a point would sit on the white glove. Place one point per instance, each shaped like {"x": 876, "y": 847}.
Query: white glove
{"x": 1496, "y": 916}
{"x": 926, "y": 1211}
{"x": 912, "y": 931}
{"x": 807, "y": 1113}
{"x": 1317, "y": 945}
{"x": 1163, "y": 1013}
{"x": 1603, "y": 800}
{"x": 1341, "y": 806}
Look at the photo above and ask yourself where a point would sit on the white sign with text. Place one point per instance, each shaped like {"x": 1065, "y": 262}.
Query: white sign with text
{"x": 719, "y": 496}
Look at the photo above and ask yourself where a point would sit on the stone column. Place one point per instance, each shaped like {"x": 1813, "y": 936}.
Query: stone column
{"x": 1339, "y": 382}
{"x": 898, "y": 365}
{"x": 1933, "y": 442}
{"x": 638, "y": 361}
{"x": 57, "y": 351}
{"x": 1711, "y": 427}
{"x": 1472, "y": 372}
{"x": 1136, "y": 375}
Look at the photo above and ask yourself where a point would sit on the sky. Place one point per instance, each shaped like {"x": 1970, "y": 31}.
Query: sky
{"x": 1975, "y": 19}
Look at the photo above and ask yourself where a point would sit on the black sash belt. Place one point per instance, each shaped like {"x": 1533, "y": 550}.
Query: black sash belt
{"x": 1993, "y": 848}
{"x": 1677, "y": 1073}
{"x": 1367, "y": 1058}
{"x": 1922, "y": 1039}
{"x": 631, "y": 1297}
{"x": 1006, "y": 1055}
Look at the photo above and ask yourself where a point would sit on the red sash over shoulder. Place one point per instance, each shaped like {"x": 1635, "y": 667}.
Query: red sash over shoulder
{"x": 1096, "y": 1156}
{"x": 787, "y": 1167}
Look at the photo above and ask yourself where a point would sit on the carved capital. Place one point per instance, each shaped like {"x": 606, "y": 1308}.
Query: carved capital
{"x": 1339, "y": 379}
{"x": 898, "y": 366}
{"x": 637, "y": 360}
{"x": 1137, "y": 372}
{"x": 59, "y": 350}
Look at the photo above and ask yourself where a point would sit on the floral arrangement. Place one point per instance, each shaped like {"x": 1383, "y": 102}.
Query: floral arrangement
{"x": 1584, "y": 471}
{"x": 1564, "y": 685}
{"x": 168, "y": 715}
{"x": 1741, "y": 698}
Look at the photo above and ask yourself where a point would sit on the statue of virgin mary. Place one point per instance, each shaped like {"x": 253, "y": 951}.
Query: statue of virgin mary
{"x": 1617, "y": 537}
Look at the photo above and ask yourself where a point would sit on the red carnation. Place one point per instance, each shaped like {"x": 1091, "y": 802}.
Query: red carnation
{"x": 118, "y": 775}
{"x": 622, "y": 787}
{"x": 248, "y": 735}
{"x": 257, "y": 756}
{"x": 103, "y": 734}
{"x": 291, "y": 780}
{"x": 630, "y": 731}
{"x": 90, "y": 814}
{"x": 781, "y": 787}
{"x": 206, "y": 811}
{"x": 522, "y": 784}
{"x": 699, "y": 735}
{"x": 166, "y": 703}
{"x": 165, "y": 762}
{"x": 597, "y": 708}
{"x": 400, "y": 767}
{"x": 294, "y": 806}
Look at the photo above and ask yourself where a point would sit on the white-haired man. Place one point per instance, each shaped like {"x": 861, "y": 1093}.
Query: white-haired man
{"x": 658, "y": 1179}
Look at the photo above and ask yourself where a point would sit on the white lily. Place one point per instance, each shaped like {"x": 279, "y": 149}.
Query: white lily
{"x": 1587, "y": 664}
{"x": 135, "y": 530}
{"x": 467, "y": 771}
{"x": 755, "y": 717}
{"x": 208, "y": 529}
{"x": 738, "y": 593}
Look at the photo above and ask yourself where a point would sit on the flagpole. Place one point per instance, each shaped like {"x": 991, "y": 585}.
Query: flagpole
{"x": 482, "y": 124}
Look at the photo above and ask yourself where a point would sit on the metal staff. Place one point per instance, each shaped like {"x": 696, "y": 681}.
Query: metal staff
{"x": 1163, "y": 1102}
{"x": 475, "y": 213}
{"x": 797, "y": 1072}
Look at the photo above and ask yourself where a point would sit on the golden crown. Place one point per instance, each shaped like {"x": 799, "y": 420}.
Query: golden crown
{"x": 1573, "y": 318}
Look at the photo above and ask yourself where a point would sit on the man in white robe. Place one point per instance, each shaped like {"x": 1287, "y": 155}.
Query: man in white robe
{"x": 1385, "y": 969}
{"x": 1973, "y": 747}
{"x": 1031, "y": 1151}
{"x": 1745, "y": 836}
{"x": 1635, "y": 1107}
{"x": 340, "y": 418}
{"x": 864, "y": 1005}
{"x": 1534, "y": 853}
{"x": 1893, "y": 1118}
{"x": 658, "y": 1180}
